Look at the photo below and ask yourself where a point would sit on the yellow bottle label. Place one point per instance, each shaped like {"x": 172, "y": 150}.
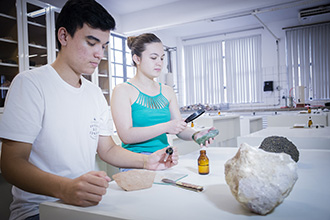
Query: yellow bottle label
{"x": 310, "y": 123}
{"x": 203, "y": 169}
{"x": 203, "y": 166}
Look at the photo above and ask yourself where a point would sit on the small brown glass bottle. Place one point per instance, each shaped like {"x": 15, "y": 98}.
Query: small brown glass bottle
{"x": 310, "y": 122}
{"x": 203, "y": 163}
{"x": 309, "y": 110}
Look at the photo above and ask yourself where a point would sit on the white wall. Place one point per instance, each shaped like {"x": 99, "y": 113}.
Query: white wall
{"x": 172, "y": 20}
{"x": 271, "y": 70}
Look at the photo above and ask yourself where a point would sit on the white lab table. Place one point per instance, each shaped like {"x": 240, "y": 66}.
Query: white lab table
{"x": 309, "y": 199}
{"x": 250, "y": 124}
{"x": 289, "y": 119}
{"x": 303, "y": 138}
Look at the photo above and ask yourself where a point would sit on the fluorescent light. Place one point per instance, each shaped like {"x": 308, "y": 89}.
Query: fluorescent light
{"x": 37, "y": 13}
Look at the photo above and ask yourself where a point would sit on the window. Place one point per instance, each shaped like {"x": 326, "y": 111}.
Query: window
{"x": 203, "y": 73}
{"x": 121, "y": 61}
{"x": 243, "y": 70}
{"x": 223, "y": 72}
{"x": 308, "y": 55}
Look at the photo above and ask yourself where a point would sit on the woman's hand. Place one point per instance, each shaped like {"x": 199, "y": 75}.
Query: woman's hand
{"x": 175, "y": 126}
{"x": 200, "y": 134}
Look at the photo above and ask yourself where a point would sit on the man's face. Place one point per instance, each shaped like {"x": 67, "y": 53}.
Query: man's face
{"x": 86, "y": 48}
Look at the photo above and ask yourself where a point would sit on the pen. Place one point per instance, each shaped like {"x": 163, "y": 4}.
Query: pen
{"x": 169, "y": 151}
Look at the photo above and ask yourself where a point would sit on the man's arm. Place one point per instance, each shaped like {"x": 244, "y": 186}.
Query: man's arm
{"x": 85, "y": 190}
{"x": 117, "y": 156}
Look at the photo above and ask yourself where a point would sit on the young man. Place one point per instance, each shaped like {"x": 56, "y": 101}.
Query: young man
{"x": 55, "y": 121}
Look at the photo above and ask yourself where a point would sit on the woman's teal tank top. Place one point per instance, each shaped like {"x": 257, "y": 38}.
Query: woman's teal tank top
{"x": 147, "y": 111}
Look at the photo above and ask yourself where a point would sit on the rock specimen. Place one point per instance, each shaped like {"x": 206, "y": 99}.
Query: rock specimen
{"x": 210, "y": 134}
{"x": 260, "y": 180}
{"x": 280, "y": 144}
{"x": 135, "y": 179}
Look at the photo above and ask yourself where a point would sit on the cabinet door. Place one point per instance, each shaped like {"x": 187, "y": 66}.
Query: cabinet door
{"x": 8, "y": 48}
{"x": 27, "y": 39}
{"x": 37, "y": 45}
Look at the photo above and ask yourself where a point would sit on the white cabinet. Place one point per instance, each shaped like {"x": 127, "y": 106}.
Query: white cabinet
{"x": 28, "y": 40}
{"x": 8, "y": 47}
{"x": 36, "y": 33}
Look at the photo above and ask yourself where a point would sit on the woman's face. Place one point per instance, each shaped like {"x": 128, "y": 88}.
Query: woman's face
{"x": 151, "y": 61}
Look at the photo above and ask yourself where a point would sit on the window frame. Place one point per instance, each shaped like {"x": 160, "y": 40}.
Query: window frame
{"x": 123, "y": 51}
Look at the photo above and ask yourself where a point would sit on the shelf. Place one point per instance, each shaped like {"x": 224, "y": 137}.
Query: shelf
{"x": 4, "y": 88}
{"x": 38, "y": 46}
{"x": 9, "y": 64}
{"x": 105, "y": 91}
{"x": 8, "y": 40}
{"x": 34, "y": 67}
{"x": 7, "y": 16}
{"x": 36, "y": 24}
{"x": 103, "y": 75}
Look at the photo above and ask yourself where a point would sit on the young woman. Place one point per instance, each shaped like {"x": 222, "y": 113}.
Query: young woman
{"x": 144, "y": 111}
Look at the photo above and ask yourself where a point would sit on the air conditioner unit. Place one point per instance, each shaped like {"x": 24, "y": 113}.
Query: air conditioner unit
{"x": 309, "y": 12}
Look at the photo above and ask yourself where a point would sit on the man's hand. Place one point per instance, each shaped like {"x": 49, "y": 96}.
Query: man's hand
{"x": 86, "y": 190}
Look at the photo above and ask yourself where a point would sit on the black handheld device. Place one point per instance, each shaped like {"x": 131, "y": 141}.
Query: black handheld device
{"x": 194, "y": 115}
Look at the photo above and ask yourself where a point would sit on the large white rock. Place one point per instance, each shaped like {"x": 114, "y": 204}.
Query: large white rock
{"x": 260, "y": 180}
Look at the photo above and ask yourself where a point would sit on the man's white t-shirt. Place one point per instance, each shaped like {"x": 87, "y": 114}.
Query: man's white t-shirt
{"x": 61, "y": 122}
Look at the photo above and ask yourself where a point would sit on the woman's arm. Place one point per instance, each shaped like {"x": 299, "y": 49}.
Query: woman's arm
{"x": 187, "y": 133}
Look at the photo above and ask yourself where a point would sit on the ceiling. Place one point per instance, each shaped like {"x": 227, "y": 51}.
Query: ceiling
{"x": 187, "y": 18}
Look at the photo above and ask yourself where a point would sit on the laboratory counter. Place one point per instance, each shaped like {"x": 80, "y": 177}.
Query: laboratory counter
{"x": 309, "y": 199}
{"x": 303, "y": 138}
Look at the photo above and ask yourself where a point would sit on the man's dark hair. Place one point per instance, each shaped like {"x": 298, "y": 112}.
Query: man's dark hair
{"x": 75, "y": 13}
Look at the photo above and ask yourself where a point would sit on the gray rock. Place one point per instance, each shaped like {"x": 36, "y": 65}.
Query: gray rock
{"x": 280, "y": 144}
{"x": 210, "y": 134}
